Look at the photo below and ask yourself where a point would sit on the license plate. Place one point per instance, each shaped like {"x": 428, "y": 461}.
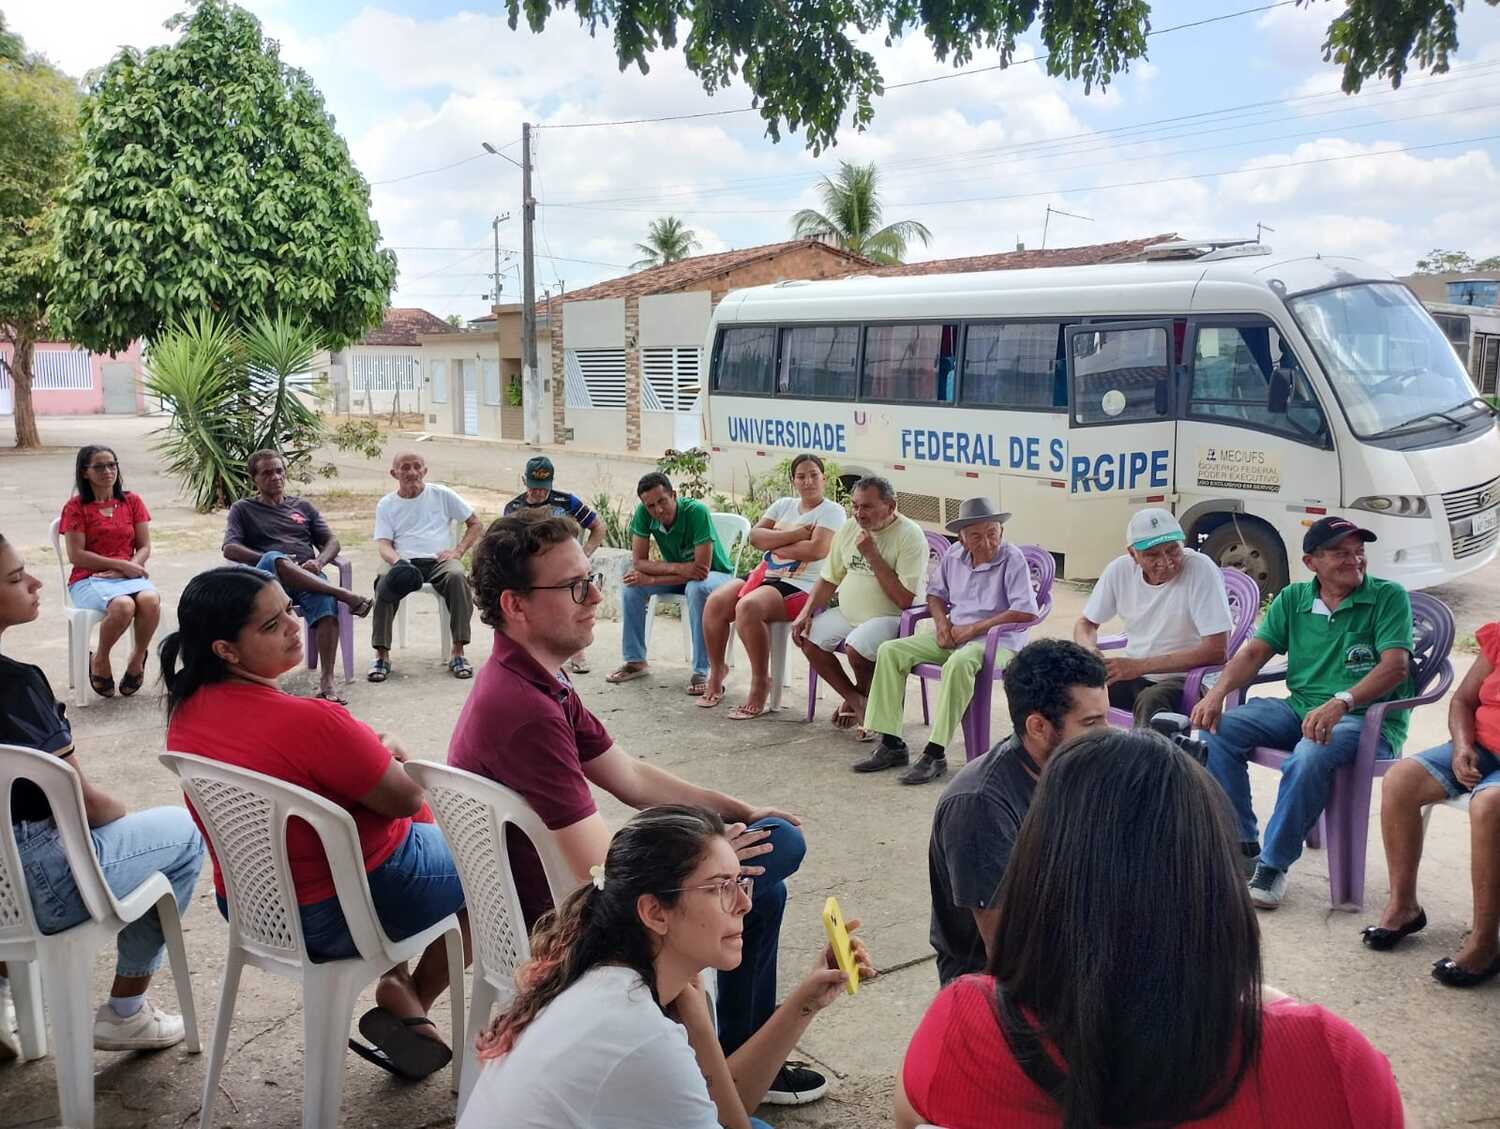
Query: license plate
{"x": 1484, "y": 522}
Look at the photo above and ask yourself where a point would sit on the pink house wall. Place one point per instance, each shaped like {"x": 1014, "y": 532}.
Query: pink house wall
{"x": 81, "y": 401}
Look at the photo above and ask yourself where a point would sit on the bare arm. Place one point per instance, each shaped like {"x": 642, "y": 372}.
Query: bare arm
{"x": 1242, "y": 668}
{"x": 595, "y": 539}
{"x": 327, "y": 552}
{"x": 642, "y": 785}
{"x": 94, "y": 562}
{"x": 1210, "y": 651}
{"x": 387, "y": 550}
{"x": 890, "y": 583}
{"x": 813, "y": 548}
{"x": 1086, "y": 633}
{"x": 906, "y": 1117}
{"x": 472, "y": 533}
{"x": 395, "y": 794}
{"x": 1465, "y": 702}
{"x": 819, "y": 599}
{"x": 695, "y": 569}
{"x": 239, "y": 554}
{"x": 987, "y": 920}
{"x": 142, "y": 552}
{"x": 765, "y": 535}
{"x": 584, "y": 844}
{"x": 976, "y": 630}
{"x": 99, "y": 808}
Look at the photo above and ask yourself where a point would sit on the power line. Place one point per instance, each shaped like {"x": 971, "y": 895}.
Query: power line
{"x": 426, "y": 172}
{"x": 1086, "y": 188}
{"x": 915, "y": 81}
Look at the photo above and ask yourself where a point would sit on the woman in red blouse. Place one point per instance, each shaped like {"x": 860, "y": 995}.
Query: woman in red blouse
{"x": 1125, "y": 987}
{"x": 108, "y": 534}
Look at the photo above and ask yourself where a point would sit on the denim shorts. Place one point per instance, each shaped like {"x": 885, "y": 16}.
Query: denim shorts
{"x": 1439, "y": 762}
{"x": 95, "y": 592}
{"x": 312, "y": 605}
{"x": 413, "y": 889}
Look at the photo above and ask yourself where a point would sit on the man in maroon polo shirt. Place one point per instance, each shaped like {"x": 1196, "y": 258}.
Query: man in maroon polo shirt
{"x": 525, "y": 727}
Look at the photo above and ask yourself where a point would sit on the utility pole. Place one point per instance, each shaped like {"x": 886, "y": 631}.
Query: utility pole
{"x": 531, "y": 379}
{"x": 495, "y": 289}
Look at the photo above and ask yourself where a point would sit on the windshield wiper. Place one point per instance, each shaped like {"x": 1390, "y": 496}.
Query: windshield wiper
{"x": 1400, "y": 427}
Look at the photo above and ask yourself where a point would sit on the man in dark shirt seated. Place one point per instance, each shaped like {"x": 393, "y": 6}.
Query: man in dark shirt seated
{"x": 525, "y": 727}
{"x": 1055, "y": 690}
{"x": 288, "y": 537}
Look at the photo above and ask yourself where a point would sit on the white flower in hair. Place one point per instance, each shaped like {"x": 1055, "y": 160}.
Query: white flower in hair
{"x": 597, "y": 874}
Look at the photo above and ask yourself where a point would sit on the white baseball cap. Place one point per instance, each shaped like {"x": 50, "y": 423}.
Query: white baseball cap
{"x": 1152, "y": 527}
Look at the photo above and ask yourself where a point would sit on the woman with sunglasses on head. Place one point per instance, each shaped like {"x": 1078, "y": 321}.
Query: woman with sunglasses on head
{"x": 1125, "y": 986}
{"x": 237, "y": 637}
{"x": 107, "y": 530}
{"x": 611, "y": 1025}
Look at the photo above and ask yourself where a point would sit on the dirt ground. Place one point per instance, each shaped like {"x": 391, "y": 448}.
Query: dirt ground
{"x": 867, "y": 837}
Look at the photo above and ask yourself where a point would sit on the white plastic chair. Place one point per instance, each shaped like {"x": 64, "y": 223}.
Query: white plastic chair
{"x": 781, "y": 643}
{"x": 445, "y": 629}
{"x": 245, "y": 814}
{"x": 81, "y": 624}
{"x": 733, "y": 531}
{"x": 473, "y": 812}
{"x": 63, "y": 962}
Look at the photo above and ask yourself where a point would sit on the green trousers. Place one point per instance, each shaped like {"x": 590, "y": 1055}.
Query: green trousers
{"x": 895, "y": 660}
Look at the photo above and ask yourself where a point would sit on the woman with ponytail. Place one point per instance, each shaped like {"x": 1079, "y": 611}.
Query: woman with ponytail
{"x": 1124, "y": 986}
{"x": 236, "y": 637}
{"x": 611, "y": 1025}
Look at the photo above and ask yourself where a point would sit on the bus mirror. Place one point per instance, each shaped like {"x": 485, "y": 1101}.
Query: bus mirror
{"x": 1279, "y": 391}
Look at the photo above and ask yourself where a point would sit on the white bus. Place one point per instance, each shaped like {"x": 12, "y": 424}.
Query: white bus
{"x": 1474, "y": 332}
{"x": 1250, "y": 393}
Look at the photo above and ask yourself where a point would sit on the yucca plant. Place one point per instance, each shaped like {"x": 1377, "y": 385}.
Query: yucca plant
{"x": 228, "y": 392}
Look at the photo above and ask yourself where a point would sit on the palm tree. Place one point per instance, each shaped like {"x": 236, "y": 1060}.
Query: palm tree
{"x": 851, "y": 219}
{"x": 666, "y": 242}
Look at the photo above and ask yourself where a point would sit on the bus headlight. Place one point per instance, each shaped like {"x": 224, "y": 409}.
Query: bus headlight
{"x": 1393, "y": 505}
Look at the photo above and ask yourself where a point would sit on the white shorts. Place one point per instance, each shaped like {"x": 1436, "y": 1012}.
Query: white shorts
{"x": 829, "y": 628}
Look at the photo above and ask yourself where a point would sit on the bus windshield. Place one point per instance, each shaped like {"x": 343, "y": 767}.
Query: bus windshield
{"x": 1387, "y": 360}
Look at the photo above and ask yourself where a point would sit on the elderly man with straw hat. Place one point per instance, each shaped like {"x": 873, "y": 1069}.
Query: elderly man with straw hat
{"x": 981, "y": 582}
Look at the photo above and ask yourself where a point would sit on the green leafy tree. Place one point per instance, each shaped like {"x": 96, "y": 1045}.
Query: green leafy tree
{"x": 1438, "y": 261}
{"x": 38, "y": 125}
{"x": 805, "y": 71}
{"x": 211, "y": 178}
{"x": 851, "y": 217}
{"x": 667, "y": 241}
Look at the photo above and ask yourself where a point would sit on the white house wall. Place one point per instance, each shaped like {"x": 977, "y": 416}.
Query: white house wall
{"x": 673, "y": 319}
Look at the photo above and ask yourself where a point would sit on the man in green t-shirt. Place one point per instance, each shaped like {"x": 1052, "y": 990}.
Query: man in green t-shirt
{"x": 1348, "y": 639}
{"x": 693, "y": 563}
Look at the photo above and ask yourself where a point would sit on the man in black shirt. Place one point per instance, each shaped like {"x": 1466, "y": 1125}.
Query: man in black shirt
{"x": 289, "y": 538}
{"x": 1055, "y": 690}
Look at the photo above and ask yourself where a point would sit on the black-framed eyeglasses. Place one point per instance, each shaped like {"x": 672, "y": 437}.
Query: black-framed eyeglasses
{"x": 579, "y": 588}
{"x": 104, "y": 466}
{"x": 729, "y": 890}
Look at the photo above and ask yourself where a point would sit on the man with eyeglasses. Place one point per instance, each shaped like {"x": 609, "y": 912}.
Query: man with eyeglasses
{"x": 1176, "y": 615}
{"x": 524, "y": 726}
{"x": 1348, "y": 639}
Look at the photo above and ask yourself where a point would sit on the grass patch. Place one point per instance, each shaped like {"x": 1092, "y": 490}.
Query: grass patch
{"x": 1466, "y": 645}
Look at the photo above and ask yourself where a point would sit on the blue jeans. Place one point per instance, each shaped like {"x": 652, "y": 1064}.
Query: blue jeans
{"x": 747, "y": 994}
{"x": 1306, "y": 775}
{"x": 312, "y": 605}
{"x": 413, "y": 889}
{"x": 634, "y": 602}
{"x": 129, "y": 850}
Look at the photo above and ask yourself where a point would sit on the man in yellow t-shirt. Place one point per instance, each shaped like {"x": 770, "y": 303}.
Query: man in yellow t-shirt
{"x": 877, "y": 565}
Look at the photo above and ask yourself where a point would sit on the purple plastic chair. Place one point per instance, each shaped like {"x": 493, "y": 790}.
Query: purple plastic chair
{"x": 1345, "y": 823}
{"x": 346, "y": 626}
{"x": 976, "y": 723}
{"x": 1244, "y": 604}
{"x": 937, "y": 545}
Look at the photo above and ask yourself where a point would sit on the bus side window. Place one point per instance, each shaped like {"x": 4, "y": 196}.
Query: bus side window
{"x": 1017, "y": 365}
{"x": 744, "y": 362}
{"x": 1231, "y": 381}
{"x": 1119, "y": 374}
{"x": 914, "y": 363}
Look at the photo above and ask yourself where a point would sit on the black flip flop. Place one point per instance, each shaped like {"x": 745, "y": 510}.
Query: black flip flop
{"x": 398, "y": 1048}
{"x": 1448, "y": 971}
{"x": 104, "y": 687}
{"x": 1383, "y": 940}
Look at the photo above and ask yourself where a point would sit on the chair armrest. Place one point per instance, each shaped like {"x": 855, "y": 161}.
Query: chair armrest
{"x": 1374, "y": 715}
{"x": 1192, "y": 689}
{"x": 992, "y": 644}
{"x": 910, "y": 618}
{"x": 346, "y": 571}
{"x": 1112, "y": 642}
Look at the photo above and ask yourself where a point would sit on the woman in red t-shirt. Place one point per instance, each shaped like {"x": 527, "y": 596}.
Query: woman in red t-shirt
{"x": 237, "y": 637}
{"x": 1124, "y": 986}
{"x": 1468, "y": 763}
{"x": 108, "y": 534}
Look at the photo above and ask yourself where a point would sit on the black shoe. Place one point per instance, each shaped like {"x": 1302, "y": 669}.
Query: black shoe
{"x": 883, "y": 757}
{"x": 796, "y": 1083}
{"x": 926, "y": 770}
{"x": 1385, "y": 939}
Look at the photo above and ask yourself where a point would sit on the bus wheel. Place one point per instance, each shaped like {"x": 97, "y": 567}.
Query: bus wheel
{"x": 1252, "y": 548}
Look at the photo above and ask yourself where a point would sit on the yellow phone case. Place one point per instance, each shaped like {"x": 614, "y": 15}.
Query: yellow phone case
{"x": 838, "y": 937}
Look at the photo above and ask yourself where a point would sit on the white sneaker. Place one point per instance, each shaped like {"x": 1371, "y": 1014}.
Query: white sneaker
{"x": 10, "y": 1036}
{"x": 149, "y": 1029}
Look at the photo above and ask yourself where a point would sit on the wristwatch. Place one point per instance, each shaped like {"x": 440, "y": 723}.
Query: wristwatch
{"x": 1345, "y": 697}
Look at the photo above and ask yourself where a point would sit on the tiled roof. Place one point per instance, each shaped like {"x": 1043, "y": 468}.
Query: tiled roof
{"x": 403, "y": 324}
{"x": 1122, "y": 251}
{"x": 700, "y": 269}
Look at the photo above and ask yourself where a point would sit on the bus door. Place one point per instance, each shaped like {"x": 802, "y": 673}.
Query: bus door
{"x": 1121, "y": 421}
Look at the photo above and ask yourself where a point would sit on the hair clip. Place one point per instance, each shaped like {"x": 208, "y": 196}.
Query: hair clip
{"x": 597, "y": 874}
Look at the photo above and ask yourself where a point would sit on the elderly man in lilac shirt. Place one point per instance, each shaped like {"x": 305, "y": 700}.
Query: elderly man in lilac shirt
{"x": 983, "y": 582}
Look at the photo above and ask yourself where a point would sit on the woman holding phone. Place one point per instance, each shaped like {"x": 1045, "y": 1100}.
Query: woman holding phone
{"x": 611, "y": 1023}
{"x": 107, "y": 530}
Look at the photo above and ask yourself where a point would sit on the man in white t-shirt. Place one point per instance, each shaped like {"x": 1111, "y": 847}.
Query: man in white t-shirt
{"x": 1176, "y": 615}
{"x": 413, "y": 534}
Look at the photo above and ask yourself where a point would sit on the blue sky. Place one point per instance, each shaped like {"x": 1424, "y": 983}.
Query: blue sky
{"x": 977, "y": 158}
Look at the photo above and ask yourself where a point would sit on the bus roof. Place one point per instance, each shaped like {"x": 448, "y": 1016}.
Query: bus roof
{"x": 1114, "y": 288}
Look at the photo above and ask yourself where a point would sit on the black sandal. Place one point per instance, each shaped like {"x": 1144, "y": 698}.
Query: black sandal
{"x": 398, "y": 1048}
{"x": 104, "y": 687}
{"x": 460, "y": 667}
{"x": 1450, "y": 972}
{"x": 1383, "y": 940}
{"x": 380, "y": 670}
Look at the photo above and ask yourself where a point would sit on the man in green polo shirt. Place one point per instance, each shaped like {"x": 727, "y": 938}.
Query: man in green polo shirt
{"x": 1348, "y": 638}
{"x": 693, "y": 563}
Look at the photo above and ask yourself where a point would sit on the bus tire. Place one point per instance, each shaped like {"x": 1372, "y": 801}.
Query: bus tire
{"x": 1252, "y": 547}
